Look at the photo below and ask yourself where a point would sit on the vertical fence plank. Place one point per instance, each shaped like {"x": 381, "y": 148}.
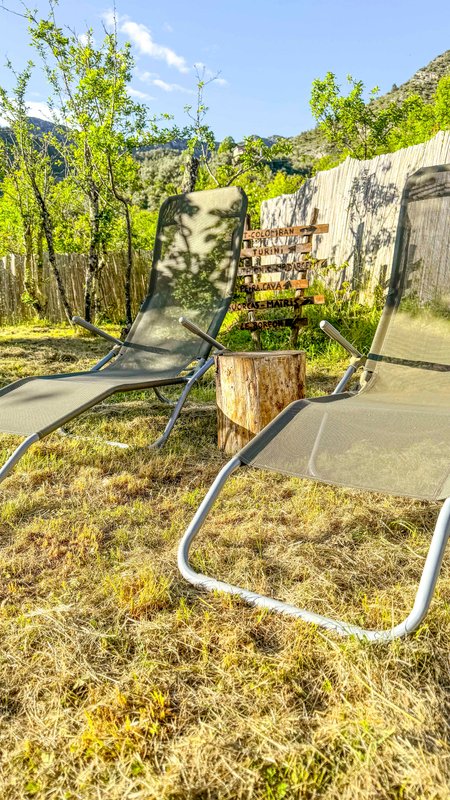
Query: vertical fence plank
{"x": 72, "y": 267}
{"x": 360, "y": 200}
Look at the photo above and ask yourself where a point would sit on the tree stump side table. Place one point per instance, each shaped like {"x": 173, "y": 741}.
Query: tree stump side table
{"x": 252, "y": 389}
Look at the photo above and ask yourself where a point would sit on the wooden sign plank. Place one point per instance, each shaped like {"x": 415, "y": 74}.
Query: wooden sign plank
{"x": 256, "y": 275}
{"x": 281, "y": 302}
{"x": 276, "y": 250}
{"x": 270, "y": 286}
{"x": 294, "y": 266}
{"x": 266, "y": 324}
{"x": 273, "y": 275}
{"x": 293, "y": 230}
{"x": 309, "y": 300}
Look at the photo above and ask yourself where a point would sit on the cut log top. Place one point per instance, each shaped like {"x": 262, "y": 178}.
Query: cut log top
{"x": 254, "y": 354}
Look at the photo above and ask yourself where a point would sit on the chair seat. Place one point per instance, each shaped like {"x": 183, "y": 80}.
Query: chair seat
{"x": 41, "y": 405}
{"x": 374, "y": 441}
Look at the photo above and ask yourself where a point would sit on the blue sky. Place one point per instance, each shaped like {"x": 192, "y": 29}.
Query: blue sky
{"x": 267, "y": 53}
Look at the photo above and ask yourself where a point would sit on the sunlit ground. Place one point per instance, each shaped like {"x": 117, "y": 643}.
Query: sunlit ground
{"x": 119, "y": 681}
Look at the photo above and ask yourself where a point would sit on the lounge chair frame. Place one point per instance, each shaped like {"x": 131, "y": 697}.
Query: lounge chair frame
{"x": 194, "y": 363}
{"x": 427, "y": 581}
{"x": 423, "y": 596}
{"x": 203, "y": 365}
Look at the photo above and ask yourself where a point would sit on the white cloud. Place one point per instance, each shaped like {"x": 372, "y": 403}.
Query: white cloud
{"x": 154, "y": 79}
{"x": 145, "y": 76}
{"x": 109, "y": 18}
{"x": 138, "y": 94}
{"x": 35, "y": 108}
{"x": 170, "y": 87}
{"x": 85, "y": 38}
{"x": 142, "y": 38}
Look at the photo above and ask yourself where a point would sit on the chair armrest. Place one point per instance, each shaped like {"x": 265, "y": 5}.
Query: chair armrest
{"x": 193, "y": 328}
{"x": 331, "y": 331}
{"x": 93, "y": 329}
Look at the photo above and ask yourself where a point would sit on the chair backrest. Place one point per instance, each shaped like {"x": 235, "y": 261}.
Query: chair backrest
{"x": 193, "y": 274}
{"x": 411, "y": 349}
{"x": 394, "y": 434}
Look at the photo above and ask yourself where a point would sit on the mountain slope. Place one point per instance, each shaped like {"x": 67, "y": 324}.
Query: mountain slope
{"x": 423, "y": 82}
{"x": 309, "y": 145}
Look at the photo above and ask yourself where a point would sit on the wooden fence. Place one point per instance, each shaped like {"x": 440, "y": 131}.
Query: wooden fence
{"x": 360, "y": 200}
{"x": 111, "y": 294}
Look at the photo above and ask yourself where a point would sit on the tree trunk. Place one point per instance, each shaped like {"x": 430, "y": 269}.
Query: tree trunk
{"x": 252, "y": 389}
{"x": 40, "y": 271}
{"x": 126, "y": 202}
{"x": 101, "y": 266}
{"x": 129, "y": 267}
{"x": 29, "y": 282}
{"x": 48, "y": 233}
{"x": 93, "y": 259}
{"x": 190, "y": 174}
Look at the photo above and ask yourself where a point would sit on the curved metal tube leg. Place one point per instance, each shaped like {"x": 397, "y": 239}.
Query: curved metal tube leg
{"x": 180, "y": 403}
{"x": 173, "y": 418}
{"x": 17, "y": 455}
{"x": 163, "y": 398}
{"x": 423, "y": 597}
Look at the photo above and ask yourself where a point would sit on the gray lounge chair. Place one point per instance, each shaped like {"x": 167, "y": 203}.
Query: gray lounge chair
{"x": 393, "y": 434}
{"x": 194, "y": 270}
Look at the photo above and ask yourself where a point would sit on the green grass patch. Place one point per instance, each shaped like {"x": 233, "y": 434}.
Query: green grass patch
{"x": 119, "y": 681}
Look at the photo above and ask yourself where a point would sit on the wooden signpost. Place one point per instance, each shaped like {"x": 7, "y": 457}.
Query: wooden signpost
{"x": 254, "y": 277}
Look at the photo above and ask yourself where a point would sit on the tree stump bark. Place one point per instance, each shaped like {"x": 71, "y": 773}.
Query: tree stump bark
{"x": 252, "y": 389}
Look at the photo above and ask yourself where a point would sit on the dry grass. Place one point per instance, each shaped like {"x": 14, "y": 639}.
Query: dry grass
{"x": 118, "y": 681}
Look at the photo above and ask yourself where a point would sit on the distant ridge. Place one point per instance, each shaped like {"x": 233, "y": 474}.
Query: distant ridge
{"x": 423, "y": 82}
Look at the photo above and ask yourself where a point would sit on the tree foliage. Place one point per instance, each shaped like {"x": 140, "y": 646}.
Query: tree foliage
{"x": 362, "y": 129}
{"x": 99, "y": 127}
{"x": 422, "y": 120}
{"x": 93, "y": 182}
{"x": 26, "y": 164}
{"x": 353, "y": 126}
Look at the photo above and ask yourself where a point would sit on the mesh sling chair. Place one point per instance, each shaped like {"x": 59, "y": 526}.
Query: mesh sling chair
{"x": 393, "y": 434}
{"x": 194, "y": 270}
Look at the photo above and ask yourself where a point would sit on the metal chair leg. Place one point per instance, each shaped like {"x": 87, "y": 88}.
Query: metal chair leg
{"x": 164, "y": 399}
{"x": 173, "y": 417}
{"x": 17, "y": 455}
{"x": 423, "y": 596}
{"x": 180, "y": 403}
